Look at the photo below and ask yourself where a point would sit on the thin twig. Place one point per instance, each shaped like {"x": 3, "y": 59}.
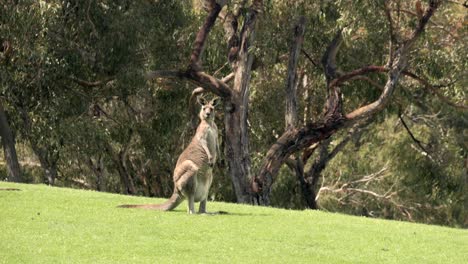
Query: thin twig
{"x": 310, "y": 58}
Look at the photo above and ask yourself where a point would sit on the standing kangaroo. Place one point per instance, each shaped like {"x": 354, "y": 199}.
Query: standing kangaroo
{"x": 193, "y": 173}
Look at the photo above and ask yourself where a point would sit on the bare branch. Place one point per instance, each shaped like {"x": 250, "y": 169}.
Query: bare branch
{"x": 230, "y": 28}
{"x": 164, "y": 74}
{"x": 200, "y": 39}
{"x": 310, "y": 58}
{"x": 85, "y": 83}
{"x": 329, "y": 57}
{"x": 434, "y": 90}
{"x": 98, "y": 109}
{"x": 334, "y": 106}
{"x": 200, "y": 78}
{"x": 441, "y": 27}
{"x": 228, "y": 77}
{"x": 357, "y": 74}
{"x": 345, "y": 187}
{"x": 393, "y": 38}
{"x": 222, "y": 67}
{"x": 425, "y": 152}
{"x": 350, "y": 75}
{"x": 209, "y": 82}
{"x": 291, "y": 97}
{"x": 433, "y": 5}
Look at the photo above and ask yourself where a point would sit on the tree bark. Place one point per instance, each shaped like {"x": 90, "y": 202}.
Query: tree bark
{"x": 237, "y": 149}
{"x": 98, "y": 169}
{"x": 9, "y": 150}
{"x": 311, "y": 177}
{"x": 236, "y": 114}
{"x": 291, "y": 116}
{"x": 291, "y": 87}
{"x": 119, "y": 159}
{"x": 47, "y": 159}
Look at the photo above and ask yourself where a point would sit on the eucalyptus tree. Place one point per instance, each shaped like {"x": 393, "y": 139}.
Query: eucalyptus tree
{"x": 236, "y": 98}
{"x": 334, "y": 118}
{"x": 107, "y": 47}
{"x": 25, "y": 74}
{"x": 75, "y": 63}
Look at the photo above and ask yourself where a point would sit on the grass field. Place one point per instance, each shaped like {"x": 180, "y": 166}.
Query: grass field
{"x": 41, "y": 224}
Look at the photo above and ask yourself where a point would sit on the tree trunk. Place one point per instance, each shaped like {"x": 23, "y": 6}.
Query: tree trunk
{"x": 99, "y": 171}
{"x": 51, "y": 174}
{"x": 47, "y": 159}
{"x": 119, "y": 161}
{"x": 9, "y": 150}
{"x": 313, "y": 175}
{"x": 237, "y": 149}
{"x": 49, "y": 166}
{"x": 236, "y": 114}
{"x": 290, "y": 142}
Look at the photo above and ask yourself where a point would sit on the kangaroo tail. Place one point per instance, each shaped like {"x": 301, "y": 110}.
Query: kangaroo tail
{"x": 169, "y": 205}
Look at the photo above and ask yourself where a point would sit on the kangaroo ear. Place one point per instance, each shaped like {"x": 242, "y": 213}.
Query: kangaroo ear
{"x": 215, "y": 101}
{"x": 201, "y": 100}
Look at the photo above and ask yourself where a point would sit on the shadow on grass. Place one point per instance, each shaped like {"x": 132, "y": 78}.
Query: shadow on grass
{"x": 220, "y": 213}
{"x": 216, "y": 213}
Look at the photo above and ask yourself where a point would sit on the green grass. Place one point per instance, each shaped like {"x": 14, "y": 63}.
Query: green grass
{"x": 41, "y": 224}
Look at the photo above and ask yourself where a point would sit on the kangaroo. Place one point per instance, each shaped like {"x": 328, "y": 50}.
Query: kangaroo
{"x": 193, "y": 173}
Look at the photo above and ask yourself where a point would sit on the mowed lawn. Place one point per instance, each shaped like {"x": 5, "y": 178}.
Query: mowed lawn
{"x": 42, "y": 224}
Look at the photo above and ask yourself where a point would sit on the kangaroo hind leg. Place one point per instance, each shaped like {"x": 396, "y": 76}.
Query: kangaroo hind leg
{"x": 202, "y": 208}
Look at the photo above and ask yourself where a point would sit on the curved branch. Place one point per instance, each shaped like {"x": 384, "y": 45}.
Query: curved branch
{"x": 200, "y": 39}
{"x": 193, "y": 72}
{"x": 350, "y": 75}
{"x": 358, "y": 74}
{"x": 329, "y": 57}
{"x": 414, "y": 138}
{"x": 208, "y": 82}
{"x": 85, "y": 83}
{"x": 430, "y": 87}
{"x": 290, "y": 142}
{"x": 431, "y": 22}
{"x": 399, "y": 64}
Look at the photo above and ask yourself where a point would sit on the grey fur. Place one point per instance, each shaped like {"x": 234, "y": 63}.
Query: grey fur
{"x": 193, "y": 173}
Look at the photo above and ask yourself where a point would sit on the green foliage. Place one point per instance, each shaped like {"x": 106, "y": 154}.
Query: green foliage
{"x": 425, "y": 187}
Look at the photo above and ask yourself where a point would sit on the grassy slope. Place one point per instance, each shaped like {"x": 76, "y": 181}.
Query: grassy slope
{"x": 41, "y": 224}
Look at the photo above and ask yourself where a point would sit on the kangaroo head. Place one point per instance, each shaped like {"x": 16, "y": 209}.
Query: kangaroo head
{"x": 207, "y": 111}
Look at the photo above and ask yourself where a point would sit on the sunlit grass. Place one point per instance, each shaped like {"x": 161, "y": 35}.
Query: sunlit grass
{"x": 41, "y": 224}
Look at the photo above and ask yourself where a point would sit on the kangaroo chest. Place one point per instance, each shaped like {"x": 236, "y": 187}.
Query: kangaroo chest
{"x": 211, "y": 140}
